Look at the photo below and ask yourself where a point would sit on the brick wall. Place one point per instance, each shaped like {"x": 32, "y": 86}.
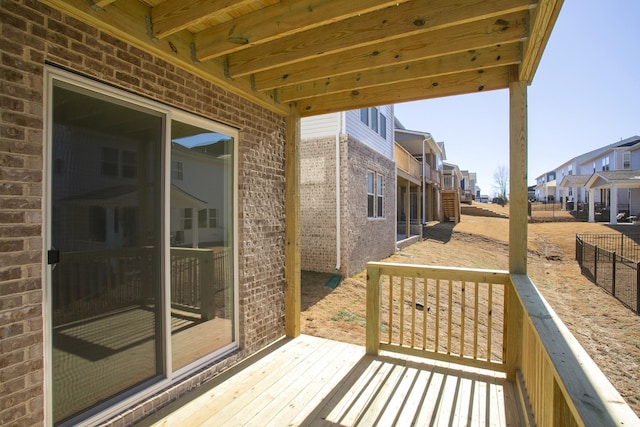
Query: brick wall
{"x": 362, "y": 239}
{"x": 318, "y": 204}
{"x": 34, "y": 34}
{"x": 367, "y": 239}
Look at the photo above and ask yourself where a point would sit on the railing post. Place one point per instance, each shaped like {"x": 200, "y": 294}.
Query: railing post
{"x": 373, "y": 310}
{"x": 206, "y": 278}
{"x": 512, "y": 337}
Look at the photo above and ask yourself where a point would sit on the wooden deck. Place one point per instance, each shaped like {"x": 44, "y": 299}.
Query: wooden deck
{"x": 316, "y": 382}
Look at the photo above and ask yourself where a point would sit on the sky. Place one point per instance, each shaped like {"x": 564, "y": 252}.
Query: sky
{"x": 585, "y": 94}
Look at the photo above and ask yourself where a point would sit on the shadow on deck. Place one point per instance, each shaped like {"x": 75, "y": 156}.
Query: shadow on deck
{"x": 315, "y": 381}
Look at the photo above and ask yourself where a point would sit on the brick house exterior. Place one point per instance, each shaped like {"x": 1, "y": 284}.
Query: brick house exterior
{"x": 362, "y": 238}
{"x": 36, "y": 38}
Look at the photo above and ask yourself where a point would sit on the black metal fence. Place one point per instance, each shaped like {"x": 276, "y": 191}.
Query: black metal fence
{"x": 611, "y": 262}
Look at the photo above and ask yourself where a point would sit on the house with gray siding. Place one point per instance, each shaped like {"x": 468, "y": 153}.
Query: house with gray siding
{"x": 348, "y": 190}
{"x": 585, "y": 183}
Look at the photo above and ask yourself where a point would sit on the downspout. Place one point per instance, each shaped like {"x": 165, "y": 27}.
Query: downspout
{"x": 338, "y": 241}
{"x": 424, "y": 187}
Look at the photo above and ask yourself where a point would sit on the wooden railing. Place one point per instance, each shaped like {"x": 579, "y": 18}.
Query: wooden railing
{"x": 196, "y": 276}
{"x": 431, "y": 175}
{"x": 453, "y": 315}
{"x": 438, "y": 312}
{"x": 406, "y": 161}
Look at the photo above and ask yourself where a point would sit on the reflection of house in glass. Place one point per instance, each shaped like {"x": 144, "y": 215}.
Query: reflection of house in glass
{"x": 196, "y": 202}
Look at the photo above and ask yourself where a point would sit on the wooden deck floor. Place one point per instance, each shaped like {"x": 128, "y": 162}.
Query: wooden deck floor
{"x": 312, "y": 381}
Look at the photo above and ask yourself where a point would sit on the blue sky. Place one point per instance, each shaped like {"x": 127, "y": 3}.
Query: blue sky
{"x": 585, "y": 94}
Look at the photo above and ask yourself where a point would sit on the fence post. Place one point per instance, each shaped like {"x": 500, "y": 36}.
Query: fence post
{"x": 595, "y": 266}
{"x": 613, "y": 275}
{"x": 638, "y": 288}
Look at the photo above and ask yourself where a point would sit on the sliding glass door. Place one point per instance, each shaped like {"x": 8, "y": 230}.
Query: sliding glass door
{"x": 141, "y": 278}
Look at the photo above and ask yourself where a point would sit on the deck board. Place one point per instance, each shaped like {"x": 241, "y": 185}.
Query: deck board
{"x": 310, "y": 381}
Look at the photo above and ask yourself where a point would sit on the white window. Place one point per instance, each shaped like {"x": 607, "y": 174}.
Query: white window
{"x": 626, "y": 160}
{"x": 375, "y": 195}
{"x": 370, "y": 194}
{"x": 374, "y": 119}
{"x": 177, "y": 171}
{"x": 605, "y": 164}
{"x": 207, "y": 218}
{"x": 364, "y": 116}
{"x": 187, "y": 218}
{"x": 383, "y": 126}
{"x": 379, "y": 200}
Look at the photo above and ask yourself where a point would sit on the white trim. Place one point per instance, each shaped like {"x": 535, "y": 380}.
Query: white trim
{"x": 120, "y": 402}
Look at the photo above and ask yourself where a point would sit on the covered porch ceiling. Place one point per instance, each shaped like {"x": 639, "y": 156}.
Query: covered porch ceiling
{"x": 324, "y": 56}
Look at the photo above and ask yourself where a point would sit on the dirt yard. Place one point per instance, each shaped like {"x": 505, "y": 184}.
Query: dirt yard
{"x": 608, "y": 331}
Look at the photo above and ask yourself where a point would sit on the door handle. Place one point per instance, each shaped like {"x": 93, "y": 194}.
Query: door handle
{"x": 53, "y": 256}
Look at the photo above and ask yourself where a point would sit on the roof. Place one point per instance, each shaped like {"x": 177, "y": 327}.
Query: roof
{"x": 327, "y": 56}
{"x": 620, "y": 178}
{"x": 590, "y": 155}
{"x": 412, "y": 141}
{"x": 574, "y": 181}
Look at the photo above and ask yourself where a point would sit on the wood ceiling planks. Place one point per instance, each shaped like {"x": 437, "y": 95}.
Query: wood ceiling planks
{"x": 331, "y": 55}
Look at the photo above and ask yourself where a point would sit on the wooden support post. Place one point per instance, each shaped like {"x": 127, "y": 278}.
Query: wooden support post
{"x": 518, "y": 177}
{"x": 292, "y": 226}
{"x": 407, "y": 210}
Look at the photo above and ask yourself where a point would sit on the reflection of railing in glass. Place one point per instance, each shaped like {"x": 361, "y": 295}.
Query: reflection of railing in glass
{"x": 197, "y": 277}
{"x": 92, "y": 283}
{"x": 100, "y": 282}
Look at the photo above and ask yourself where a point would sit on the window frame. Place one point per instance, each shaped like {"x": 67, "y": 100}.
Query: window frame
{"x": 375, "y": 195}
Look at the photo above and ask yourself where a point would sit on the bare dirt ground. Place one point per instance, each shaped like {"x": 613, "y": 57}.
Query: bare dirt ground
{"x": 608, "y": 330}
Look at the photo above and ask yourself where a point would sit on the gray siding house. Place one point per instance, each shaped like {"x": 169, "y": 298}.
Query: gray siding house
{"x": 348, "y": 185}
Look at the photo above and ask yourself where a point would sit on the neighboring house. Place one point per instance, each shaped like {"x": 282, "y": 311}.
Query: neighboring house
{"x": 420, "y": 162}
{"x": 348, "y": 190}
{"x": 451, "y": 192}
{"x": 468, "y": 187}
{"x": 586, "y": 182}
{"x": 545, "y": 187}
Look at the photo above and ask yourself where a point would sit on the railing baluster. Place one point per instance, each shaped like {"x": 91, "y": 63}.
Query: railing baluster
{"x": 401, "y": 302}
{"x": 425, "y": 311}
{"x": 413, "y": 311}
{"x": 390, "y": 309}
{"x": 475, "y": 323}
{"x": 463, "y": 303}
{"x": 490, "y": 320}
{"x": 437, "y": 313}
{"x": 450, "y": 316}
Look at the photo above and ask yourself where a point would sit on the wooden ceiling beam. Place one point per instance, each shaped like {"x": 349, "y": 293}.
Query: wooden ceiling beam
{"x": 490, "y": 32}
{"x": 125, "y": 19}
{"x": 545, "y": 17}
{"x": 405, "y": 20}
{"x": 172, "y": 16}
{"x": 282, "y": 19}
{"x": 434, "y": 87}
{"x": 496, "y": 56}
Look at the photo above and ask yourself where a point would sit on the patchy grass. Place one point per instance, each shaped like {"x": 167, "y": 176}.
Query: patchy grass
{"x": 346, "y": 316}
